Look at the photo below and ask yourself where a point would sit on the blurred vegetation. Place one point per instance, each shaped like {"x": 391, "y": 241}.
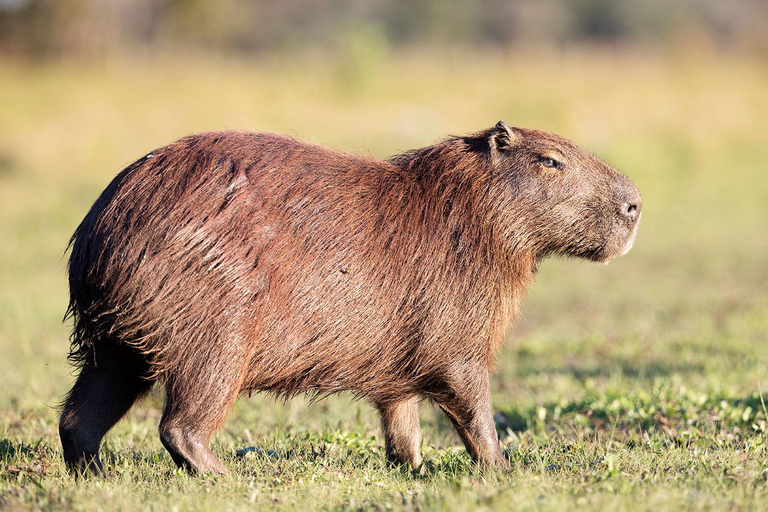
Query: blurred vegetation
{"x": 95, "y": 28}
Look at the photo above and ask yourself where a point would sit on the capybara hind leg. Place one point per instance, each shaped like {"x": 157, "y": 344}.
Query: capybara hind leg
{"x": 472, "y": 417}
{"x": 104, "y": 391}
{"x": 402, "y": 434}
{"x": 195, "y": 407}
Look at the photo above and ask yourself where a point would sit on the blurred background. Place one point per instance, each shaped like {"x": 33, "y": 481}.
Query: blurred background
{"x": 675, "y": 94}
{"x": 99, "y": 28}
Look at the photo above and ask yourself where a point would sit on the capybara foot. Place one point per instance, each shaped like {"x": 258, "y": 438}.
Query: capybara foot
{"x": 189, "y": 453}
{"x": 80, "y": 453}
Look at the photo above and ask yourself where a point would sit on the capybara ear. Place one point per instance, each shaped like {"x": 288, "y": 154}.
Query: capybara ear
{"x": 503, "y": 137}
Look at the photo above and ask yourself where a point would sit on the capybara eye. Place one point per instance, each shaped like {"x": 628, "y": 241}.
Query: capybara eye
{"x": 551, "y": 162}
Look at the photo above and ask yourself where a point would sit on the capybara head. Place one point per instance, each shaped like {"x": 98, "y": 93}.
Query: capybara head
{"x": 568, "y": 201}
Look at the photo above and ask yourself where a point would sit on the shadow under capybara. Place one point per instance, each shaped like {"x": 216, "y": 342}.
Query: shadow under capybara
{"x": 234, "y": 262}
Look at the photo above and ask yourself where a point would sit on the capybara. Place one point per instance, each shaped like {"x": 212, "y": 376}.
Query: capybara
{"x": 233, "y": 262}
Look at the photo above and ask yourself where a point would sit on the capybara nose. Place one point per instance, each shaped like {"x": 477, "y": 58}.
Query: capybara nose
{"x": 631, "y": 209}
{"x": 631, "y": 202}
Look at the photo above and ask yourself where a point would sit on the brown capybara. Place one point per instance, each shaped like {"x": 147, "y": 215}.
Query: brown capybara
{"x": 234, "y": 262}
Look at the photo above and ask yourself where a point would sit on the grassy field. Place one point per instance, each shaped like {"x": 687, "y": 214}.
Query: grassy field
{"x": 636, "y": 386}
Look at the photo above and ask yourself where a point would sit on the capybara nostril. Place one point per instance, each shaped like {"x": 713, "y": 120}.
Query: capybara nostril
{"x": 630, "y": 210}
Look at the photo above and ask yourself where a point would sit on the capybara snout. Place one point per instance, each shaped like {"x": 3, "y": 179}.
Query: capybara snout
{"x": 234, "y": 262}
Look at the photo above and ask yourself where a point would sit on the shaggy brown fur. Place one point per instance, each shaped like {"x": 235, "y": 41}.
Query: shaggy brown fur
{"x": 230, "y": 262}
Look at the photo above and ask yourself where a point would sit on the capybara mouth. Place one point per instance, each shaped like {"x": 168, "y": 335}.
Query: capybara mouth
{"x": 631, "y": 239}
{"x": 627, "y": 246}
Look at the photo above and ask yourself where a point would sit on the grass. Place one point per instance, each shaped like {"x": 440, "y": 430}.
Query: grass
{"x": 636, "y": 386}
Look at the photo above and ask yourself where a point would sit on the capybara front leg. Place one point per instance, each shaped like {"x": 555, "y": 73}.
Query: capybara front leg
{"x": 402, "y": 434}
{"x": 104, "y": 391}
{"x": 469, "y": 409}
{"x": 196, "y": 404}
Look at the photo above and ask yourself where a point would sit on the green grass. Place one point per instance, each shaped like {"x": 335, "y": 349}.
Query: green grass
{"x": 638, "y": 385}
